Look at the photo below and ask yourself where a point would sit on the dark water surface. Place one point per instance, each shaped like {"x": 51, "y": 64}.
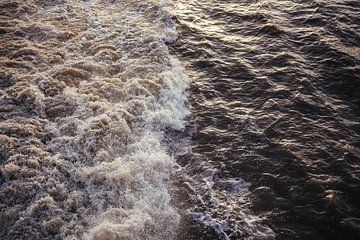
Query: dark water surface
{"x": 275, "y": 134}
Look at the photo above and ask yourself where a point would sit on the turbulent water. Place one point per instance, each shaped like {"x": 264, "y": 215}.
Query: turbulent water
{"x": 88, "y": 90}
{"x": 103, "y": 137}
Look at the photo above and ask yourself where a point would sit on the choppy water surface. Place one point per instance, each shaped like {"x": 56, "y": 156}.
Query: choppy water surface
{"x": 275, "y": 97}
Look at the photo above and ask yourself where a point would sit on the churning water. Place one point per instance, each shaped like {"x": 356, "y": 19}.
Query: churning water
{"x": 103, "y": 137}
{"x": 88, "y": 90}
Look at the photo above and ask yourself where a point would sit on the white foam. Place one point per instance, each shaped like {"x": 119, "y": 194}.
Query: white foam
{"x": 223, "y": 205}
{"x": 117, "y": 150}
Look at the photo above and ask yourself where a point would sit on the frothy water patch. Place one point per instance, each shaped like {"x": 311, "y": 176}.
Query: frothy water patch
{"x": 223, "y": 204}
{"x": 88, "y": 91}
